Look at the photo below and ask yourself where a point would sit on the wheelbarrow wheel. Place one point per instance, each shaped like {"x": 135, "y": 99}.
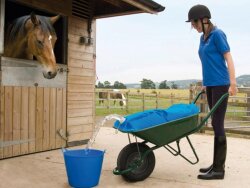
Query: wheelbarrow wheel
{"x": 129, "y": 155}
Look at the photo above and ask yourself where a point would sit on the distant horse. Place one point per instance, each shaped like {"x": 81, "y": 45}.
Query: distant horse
{"x": 30, "y": 36}
{"x": 115, "y": 94}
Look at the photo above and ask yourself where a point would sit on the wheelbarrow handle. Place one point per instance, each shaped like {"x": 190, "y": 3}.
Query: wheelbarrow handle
{"x": 197, "y": 96}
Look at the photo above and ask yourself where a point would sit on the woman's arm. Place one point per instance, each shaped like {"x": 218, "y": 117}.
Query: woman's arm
{"x": 230, "y": 64}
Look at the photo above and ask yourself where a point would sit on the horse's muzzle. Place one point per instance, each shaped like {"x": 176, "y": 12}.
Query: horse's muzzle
{"x": 49, "y": 75}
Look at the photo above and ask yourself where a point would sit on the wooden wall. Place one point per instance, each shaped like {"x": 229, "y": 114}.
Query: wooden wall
{"x": 81, "y": 82}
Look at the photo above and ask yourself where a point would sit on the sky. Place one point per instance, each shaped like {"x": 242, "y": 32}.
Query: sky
{"x": 165, "y": 47}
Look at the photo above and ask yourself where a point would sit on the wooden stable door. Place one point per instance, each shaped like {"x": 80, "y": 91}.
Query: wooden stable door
{"x": 33, "y": 109}
{"x": 30, "y": 119}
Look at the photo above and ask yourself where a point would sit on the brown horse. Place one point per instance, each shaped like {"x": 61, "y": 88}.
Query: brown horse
{"x": 33, "y": 36}
{"x": 115, "y": 94}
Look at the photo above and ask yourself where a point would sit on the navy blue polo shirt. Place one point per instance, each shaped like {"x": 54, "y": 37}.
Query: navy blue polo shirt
{"x": 214, "y": 68}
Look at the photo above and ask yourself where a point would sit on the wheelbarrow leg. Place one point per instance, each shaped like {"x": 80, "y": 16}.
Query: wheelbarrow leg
{"x": 178, "y": 151}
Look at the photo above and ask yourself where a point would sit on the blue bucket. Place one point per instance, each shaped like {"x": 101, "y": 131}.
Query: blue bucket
{"x": 83, "y": 167}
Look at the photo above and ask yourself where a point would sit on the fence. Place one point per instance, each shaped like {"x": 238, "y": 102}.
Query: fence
{"x": 237, "y": 116}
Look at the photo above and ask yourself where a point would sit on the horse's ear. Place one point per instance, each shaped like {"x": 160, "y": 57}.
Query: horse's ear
{"x": 34, "y": 19}
{"x": 54, "y": 19}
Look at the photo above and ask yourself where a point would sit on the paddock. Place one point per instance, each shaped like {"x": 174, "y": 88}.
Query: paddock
{"x": 39, "y": 114}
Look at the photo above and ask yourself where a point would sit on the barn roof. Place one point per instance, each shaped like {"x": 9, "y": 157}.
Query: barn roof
{"x": 108, "y": 8}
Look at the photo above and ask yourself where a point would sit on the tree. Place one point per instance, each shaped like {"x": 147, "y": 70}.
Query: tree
{"x": 107, "y": 84}
{"x": 174, "y": 86}
{"x": 100, "y": 85}
{"x": 147, "y": 84}
{"x": 163, "y": 85}
{"x": 119, "y": 85}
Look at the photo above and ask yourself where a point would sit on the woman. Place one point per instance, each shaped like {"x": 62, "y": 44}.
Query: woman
{"x": 218, "y": 79}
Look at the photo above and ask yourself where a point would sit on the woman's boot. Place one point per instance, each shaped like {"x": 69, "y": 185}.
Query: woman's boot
{"x": 206, "y": 170}
{"x": 220, "y": 152}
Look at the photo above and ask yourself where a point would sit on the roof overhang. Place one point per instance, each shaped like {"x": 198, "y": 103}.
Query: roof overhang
{"x": 110, "y": 8}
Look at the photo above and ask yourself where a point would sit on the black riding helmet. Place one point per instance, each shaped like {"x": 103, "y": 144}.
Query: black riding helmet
{"x": 198, "y": 12}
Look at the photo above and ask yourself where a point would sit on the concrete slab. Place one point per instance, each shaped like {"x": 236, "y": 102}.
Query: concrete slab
{"x": 47, "y": 170}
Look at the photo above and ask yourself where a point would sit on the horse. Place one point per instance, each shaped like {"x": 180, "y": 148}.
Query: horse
{"x": 115, "y": 94}
{"x": 33, "y": 36}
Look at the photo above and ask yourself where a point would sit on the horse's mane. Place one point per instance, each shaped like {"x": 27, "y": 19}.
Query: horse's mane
{"x": 17, "y": 28}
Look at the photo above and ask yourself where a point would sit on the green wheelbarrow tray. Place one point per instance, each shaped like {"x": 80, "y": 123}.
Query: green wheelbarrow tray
{"x": 164, "y": 134}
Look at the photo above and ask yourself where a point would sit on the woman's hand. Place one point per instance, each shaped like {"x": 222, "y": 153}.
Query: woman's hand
{"x": 232, "y": 90}
{"x": 230, "y": 64}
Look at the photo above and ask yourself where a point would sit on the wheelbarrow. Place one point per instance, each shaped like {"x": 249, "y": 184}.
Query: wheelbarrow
{"x": 136, "y": 161}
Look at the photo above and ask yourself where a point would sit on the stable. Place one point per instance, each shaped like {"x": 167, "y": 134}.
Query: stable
{"x": 40, "y": 114}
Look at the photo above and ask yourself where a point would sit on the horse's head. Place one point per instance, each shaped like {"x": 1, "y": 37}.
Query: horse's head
{"x": 41, "y": 39}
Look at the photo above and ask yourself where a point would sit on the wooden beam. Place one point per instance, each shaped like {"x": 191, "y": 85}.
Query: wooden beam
{"x": 140, "y": 6}
{"x": 114, "y": 2}
{"x": 118, "y": 14}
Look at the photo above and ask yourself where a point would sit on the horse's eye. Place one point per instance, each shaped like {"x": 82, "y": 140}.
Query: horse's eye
{"x": 40, "y": 43}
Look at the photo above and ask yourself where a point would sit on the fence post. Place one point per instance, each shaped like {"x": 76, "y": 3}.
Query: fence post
{"x": 143, "y": 101}
{"x": 247, "y": 92}
{"x": 157, "y": 102}
{"x": 108, "y": 100}
{"x": 191, "y": 93}
{"x": 248, "y": 102}
{"x": 172, "y": 99}
{"x": 203, "y": 106}
{"x": 127, "y": 102}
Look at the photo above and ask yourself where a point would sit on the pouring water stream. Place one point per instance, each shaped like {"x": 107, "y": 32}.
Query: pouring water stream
{"x": 100, "y": 124}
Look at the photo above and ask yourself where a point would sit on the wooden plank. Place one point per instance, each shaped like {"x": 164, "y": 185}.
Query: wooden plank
{"x": 80, "y": 96}
{"x": 59, "y": 105}
{"x": 87, "y": 64}
{"x": 80, "y": 104}
{"x": 79, "y": 136}
{"x": 46, "y": 118}
{"x": 39, "y": 119}
{"x": 77, "y": 31}
{"x": 63, "y": 8}
{"x": 80, "y": 120}
{"x": 80, "y": 129}
{"x": 16, "y": 119}
{"x": 80, "y": 24}
{"x": 80, "y": 56}
{"x": 8, "y": 116}
{"x": 52, "y": 118}
{"x": 64, "y": 116}
{"x": 140, "y": 6}
{"x": 2, "y": 105}
{"x": 32, "y": 119}
{"x": 81, "y": 72}
{"x": 81, "y": 80}
{"x": 73, "y": 37}
{"x": 81, "y": 48}
{"x": 81, "y": 88}
{"x": 79, "y": 112}
{"x": 25, "y": 119}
